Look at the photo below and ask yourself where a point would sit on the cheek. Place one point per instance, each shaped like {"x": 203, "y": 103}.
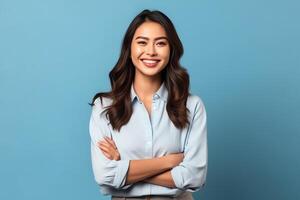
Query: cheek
{"x": 136, "y": 51}
{"x": 165, "y": 53}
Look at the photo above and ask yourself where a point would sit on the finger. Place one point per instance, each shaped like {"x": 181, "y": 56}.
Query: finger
{"x": 104, "y": 148}
{"x": 114, "y": 144}
{"x": 104, "y": 139}
{"x": 109, "y": 150}
{"x": 101, "y": 143}
{"x": 109, "y": 145}
{"x": 108, "y": 140}
{"x": 111, "y": 142}
{"x": 105, "y": 144}
{"x": 107, "y": 155}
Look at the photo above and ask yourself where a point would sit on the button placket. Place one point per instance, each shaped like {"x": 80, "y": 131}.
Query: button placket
{"x": 148, "y": 132}
{"x": 154, "y": 105}
{"x": 154, "y": 101}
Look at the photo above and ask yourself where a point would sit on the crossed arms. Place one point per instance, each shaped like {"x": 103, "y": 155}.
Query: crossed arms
{"x": 156, "y": 171}
{"x": 185, "y": 171}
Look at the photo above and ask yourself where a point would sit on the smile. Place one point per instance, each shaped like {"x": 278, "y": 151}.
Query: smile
{"x": 150, "y": 62}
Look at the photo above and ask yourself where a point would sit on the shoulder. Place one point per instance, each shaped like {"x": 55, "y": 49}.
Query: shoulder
{"x": 195, "y": 104}
{"x": 194, "y": 101}
{"x": 101, "y": 103}
{"x": 100, "y": 106}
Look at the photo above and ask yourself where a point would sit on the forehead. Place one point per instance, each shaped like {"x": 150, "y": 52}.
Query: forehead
{"x": 150, "y": 30}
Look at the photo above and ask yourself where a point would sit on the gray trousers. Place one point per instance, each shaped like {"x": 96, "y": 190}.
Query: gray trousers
{"x": 183, "y": 196}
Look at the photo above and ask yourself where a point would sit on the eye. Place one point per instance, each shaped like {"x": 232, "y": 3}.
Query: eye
{"x": 161, "y": 43}
{"x": 141, "y": 42}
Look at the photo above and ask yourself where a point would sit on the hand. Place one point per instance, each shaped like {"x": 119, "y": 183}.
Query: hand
{"x": 175, "y": 159}
{"x": 109, "y": 149}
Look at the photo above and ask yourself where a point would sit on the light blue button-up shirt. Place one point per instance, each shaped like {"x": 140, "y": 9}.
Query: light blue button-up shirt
{"x": 145, "y": 137}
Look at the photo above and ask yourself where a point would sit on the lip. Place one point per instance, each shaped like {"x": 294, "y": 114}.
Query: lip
{"x": 151, "y": 65}
{"x": 151, "y": 62}
{"x": 150, "y": 59}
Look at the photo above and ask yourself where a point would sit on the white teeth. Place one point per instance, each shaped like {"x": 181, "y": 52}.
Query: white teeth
{"x": 150, "y": 61}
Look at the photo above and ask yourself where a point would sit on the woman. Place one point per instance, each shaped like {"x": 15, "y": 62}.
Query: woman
{"x": 148, "y": 134}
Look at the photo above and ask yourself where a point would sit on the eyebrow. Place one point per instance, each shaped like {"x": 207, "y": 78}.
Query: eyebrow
{"x": 158, "y": 38}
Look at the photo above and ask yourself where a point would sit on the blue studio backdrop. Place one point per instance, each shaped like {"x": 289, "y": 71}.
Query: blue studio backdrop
{"x": 243, "y": 60}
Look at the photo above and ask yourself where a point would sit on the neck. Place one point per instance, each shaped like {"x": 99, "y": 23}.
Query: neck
{"x": 145, "y": 87}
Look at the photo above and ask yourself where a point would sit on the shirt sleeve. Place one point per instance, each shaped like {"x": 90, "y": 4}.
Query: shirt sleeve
{"x": 190, "y": 174}
{"x": 106, "y": 172}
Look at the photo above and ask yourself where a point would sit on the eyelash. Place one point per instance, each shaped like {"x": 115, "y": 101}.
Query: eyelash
{"x": 142, "y": 43}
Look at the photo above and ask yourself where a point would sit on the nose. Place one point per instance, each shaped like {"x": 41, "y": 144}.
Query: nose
{"x": 151, "y": 50}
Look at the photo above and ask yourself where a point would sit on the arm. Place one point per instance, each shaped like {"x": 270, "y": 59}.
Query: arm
{"x": 106, "y": 172}
{"x": 164, "y": 179}
{"x": 145, "y": 169}
{"x": 190, "y": 174}
{"x": 142, "y": 169}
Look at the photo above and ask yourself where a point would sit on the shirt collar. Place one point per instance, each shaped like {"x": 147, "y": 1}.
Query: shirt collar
{"x": 162, "y": 93}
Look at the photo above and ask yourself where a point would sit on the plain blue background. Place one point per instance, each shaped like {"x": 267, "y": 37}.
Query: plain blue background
{"x": 243, "y": 60}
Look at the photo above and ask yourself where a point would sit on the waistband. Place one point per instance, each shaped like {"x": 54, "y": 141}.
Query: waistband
{"x": 183, "y": 196}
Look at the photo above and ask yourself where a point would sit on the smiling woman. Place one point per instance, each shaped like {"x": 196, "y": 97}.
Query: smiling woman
{"x": 150, "y": 48}
{"x": 148, "y": 134}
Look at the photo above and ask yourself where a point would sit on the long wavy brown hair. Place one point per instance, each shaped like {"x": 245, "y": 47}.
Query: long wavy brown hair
{"x": 175, "y": 76}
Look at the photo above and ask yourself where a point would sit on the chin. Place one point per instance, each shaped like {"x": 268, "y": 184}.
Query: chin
{"x": 150, "y": 72}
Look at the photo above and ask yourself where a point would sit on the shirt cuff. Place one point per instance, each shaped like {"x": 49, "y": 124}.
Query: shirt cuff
{"x": 121, "y": 173}
{"x": 177, "y": 178}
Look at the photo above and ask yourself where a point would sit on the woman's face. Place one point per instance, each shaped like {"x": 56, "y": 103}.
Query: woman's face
{"x": 150, "y": 50}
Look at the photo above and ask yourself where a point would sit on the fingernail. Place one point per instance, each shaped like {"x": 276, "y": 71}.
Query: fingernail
{"x": 99, "y": 145}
